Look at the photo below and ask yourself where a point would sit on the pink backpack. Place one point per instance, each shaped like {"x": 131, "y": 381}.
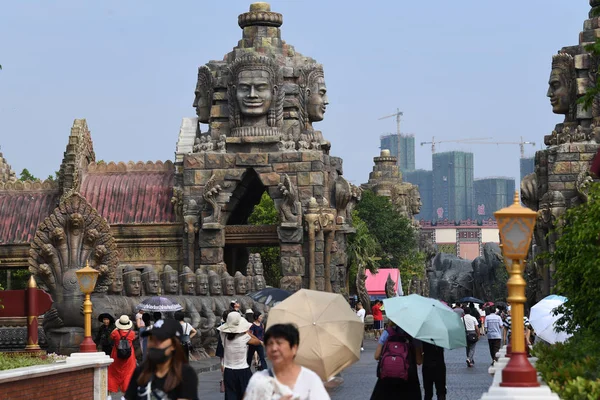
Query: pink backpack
{"x": 394, "y": 362}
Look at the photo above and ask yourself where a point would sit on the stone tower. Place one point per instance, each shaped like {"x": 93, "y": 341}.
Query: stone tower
{"x": 254, "y": 134}
{"x": 562, "y": 170}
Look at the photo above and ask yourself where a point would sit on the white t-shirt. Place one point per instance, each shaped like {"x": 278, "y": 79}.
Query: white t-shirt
{"x": 470, "y": 322}
{"x": 308, "y": 386}
{"x": 361, "y": 314}
{"x": 234, "y": 355}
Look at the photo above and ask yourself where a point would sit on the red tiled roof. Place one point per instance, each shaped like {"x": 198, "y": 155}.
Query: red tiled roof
{"x": 22, "y": 211}
{"x": 132, "y": 193}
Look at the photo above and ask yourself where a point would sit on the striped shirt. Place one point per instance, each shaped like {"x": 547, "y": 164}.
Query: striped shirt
{"x": 507, "y": 324}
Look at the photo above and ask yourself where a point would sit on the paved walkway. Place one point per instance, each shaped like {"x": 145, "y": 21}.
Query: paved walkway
{"x": 463, "y": 383}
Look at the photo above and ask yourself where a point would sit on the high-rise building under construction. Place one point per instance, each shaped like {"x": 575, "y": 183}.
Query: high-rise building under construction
{"x": 527, "y": 167}
{"x": 402, "y": 147}
{"x": 492, "y": 194}
{"x": 424, "y": 180}
{"x": 453, "y": 196}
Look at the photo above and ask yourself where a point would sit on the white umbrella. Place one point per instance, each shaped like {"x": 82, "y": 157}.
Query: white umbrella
{"x": 544, "y": 323}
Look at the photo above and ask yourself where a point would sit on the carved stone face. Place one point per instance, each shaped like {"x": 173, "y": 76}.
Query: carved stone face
{"x": 201, "y": 285}
{"x": 151, "y": 283}
{"x": 229, "y": 288}
{"x": 416, "y": 204}
{"x": 215, "y": 286}
{"x": 317, "y": 100}
{"x": 133, "y": 284}
{"x": 259, "y": 283}
{"x": 172, "y": 284}
{"x": 189, "y": 284}
{"x": 202, "y": 104}
{"x": 241, "y": 286}
{"x": 558, "y": 92}
{"x": 117, "y": 283}
{"x": 254, "y": 92}
{"x": 191, "y": 224}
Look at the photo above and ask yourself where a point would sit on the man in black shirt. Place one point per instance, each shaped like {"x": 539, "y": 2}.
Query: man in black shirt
{"x": 434, "y": 371}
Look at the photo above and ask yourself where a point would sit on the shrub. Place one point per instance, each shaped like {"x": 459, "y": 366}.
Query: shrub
{"x": 572, "y": 369}
{"x": 11, "y": 361}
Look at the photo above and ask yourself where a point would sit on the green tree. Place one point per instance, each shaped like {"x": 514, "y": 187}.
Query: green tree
{"x": 395, "y": 234}
{"x": 265, "y": 213}
{"x": 25, "y": 175}
{"x": 577, "y": 269}
{"x": 363, "y": 249}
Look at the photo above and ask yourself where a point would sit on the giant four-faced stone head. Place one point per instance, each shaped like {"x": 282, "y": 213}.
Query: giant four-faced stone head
{"x": 255, "y": 93}
{"x": 203, "y": 94}
{"x": 561, "y": 90}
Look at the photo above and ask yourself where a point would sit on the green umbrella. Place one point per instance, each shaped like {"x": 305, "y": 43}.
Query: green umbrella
{"x": 427, "y": 320}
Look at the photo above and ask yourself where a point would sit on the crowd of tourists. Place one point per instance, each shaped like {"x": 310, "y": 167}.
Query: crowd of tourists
{"x": 164, "y": 371}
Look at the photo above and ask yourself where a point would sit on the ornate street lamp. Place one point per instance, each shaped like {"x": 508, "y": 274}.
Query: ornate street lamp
{"x": 87, "y": 277}
{"x": 516, "y": 228}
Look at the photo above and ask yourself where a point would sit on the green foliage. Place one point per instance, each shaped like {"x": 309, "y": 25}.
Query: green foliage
{"x": 572, "y": 369}
{"x": 27, "y": 176}
{"x": 363, "y": 249}
{"x": 8, "y": 361}
{"x": 265, "y": 213}
{"x": 577, "y": 268}
{"x": 395, "y": 235}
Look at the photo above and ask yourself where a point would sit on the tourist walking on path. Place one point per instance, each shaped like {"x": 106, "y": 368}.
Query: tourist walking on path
{"x": 188, "y": 333}
{"x": 144, "y": 339}
{"x": 286, "y": 380}
{"x": 165, "y": 373}
{"x": 258, "y": 330}
{"x": 472, "y": 330}
{"x": 434, "y": 371}
{"x": 102, "y": 339}
{"x": 377, "y": 318}
{"x": 398, "y": 355}
{"x": 361, "y": 312}
{"x": 220, "y": 351}
{"x": 124, "y": 362}
{"x": 493, "y": 329}
{"x": 235, "y": 336}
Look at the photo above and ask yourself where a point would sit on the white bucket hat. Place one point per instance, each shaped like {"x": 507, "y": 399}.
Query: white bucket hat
{"x": 235, "y": 324}
{"x": 124, "y": 322}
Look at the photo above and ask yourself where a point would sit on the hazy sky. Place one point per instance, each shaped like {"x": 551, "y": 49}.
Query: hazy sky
{"x": 457, "y": 69}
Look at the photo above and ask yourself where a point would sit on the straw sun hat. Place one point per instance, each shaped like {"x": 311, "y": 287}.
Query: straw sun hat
{"x": 124, "y": 322}
{"x": 235, "y": 324}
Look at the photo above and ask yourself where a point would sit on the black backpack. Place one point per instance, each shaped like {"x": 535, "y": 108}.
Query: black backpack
{"x": 124, "y": 347}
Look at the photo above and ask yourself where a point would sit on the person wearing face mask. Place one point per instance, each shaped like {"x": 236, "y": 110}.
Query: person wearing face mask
{"x": 165, "y": 374}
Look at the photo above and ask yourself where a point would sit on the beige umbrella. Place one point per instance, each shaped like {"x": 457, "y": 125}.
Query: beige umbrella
{"x": 330, "y": 332}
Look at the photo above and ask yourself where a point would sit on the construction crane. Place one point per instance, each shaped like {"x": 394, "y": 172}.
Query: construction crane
{"x": 468, "y": 140}
{"x": 398, "y": 114}
{"x": 521, "y": 144}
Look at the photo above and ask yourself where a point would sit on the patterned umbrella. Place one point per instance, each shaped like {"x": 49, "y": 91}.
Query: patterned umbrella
{"x": 158, "y": 303}
{"x": 270, "y": 296}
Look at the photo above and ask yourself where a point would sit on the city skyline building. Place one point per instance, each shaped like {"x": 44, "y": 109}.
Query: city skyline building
{"x": 492, "y": 194}
{"x": 404, "y": 151}
{"x": 453, "y": 196}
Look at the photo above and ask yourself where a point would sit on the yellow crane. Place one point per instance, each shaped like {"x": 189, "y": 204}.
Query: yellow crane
{"x": 468, "y": 140}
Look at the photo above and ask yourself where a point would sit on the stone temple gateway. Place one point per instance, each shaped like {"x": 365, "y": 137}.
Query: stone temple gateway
{"x": 180, "y": 228}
